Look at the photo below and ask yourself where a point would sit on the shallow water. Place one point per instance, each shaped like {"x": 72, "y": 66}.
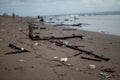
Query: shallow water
{"x": 108, "y": 24}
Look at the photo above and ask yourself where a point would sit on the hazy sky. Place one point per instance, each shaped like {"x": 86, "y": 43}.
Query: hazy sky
{"x": 50, "y": 7}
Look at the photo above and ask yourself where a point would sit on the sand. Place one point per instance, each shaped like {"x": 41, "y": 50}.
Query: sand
{"x": 38, "y": 64}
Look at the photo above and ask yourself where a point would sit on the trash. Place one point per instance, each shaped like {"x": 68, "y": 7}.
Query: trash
{"x": 104, "y": 75}
{"x": 63, "y": 42}
{"x": 36, "y": 44}
{"x": 64, "y": 59}
{"x": 55, "y": 57}
{"x": 92, "y": 66}
{"x": 22, "y": 49}
{"x": 91, "y": 59}
{"x": 21, "y": 60}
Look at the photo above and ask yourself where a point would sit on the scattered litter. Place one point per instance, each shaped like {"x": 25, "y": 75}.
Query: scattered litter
{"x": 63, "y": 42}
{"x": 36, "y": 44}
{"x": 22, "y": 49}
{"x": 104, "y": 75}
{"x": 64, "y": 59}
{"x": 21, "y": 60}
{"x": 92, "y": 66}
{"x": 55, "y": 57}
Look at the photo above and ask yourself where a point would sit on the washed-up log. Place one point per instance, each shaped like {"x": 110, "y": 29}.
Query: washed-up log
{"x": 19, "y": 49}
{"x": 48, "y": 38}
{"x": 88, "y": 52}
{"x": 100, "y": 57}
{"x": 14, "y": 47}
{"x": 52, "y": 37}
{"x": 16, "y": 52}
{"x": 91, "y": 59}
{"x": 81, "y": 50}
{"x": 77, "y": 54}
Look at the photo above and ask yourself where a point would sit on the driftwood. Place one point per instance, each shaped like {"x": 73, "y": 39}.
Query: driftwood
{"x": 52, "y": 37}
{"x": 16, "y": 52}
{"x": 77, "y": 54}
{"x": 91, "y": 59}
{"x": 14, "y": 47}
{"x": 48, "y": 38}
{"x": 19, "y": 50}
{"x": 81, "y": 50}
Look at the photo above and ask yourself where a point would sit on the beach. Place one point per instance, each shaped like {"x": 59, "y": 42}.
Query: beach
{"x": 43, "y": 59}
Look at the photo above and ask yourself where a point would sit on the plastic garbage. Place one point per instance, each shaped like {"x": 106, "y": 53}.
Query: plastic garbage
{"x": 55, "y": 57}
{"x": 21, "y": 60}
{"x": 36, "y": 44}
{"x": 22, "y": 49}
{"x": 92, "y": 66}
{"x": 64, "y": 59}
{"x": 104, "y": 75}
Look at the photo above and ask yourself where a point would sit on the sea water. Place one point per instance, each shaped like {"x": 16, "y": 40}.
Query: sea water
{"x": 108, "y": 24}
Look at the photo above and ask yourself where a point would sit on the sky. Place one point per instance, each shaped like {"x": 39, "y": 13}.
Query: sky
{"x": 52, "y": 7}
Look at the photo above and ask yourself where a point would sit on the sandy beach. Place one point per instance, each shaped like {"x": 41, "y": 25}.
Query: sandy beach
{"x": 42, "y": 62}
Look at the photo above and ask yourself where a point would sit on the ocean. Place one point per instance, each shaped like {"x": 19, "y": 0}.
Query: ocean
{"x": 107, "y": 24}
